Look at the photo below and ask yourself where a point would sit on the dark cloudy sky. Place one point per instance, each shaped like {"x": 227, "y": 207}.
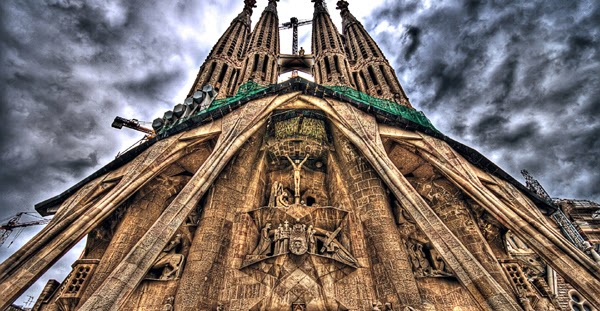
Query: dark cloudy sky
{"x": 517, "y": 80}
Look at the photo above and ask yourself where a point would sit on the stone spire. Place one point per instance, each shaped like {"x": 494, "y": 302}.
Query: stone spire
{"x": 331, "y": 66}
{"x": 263, "y": 50}
{"x": 224, "y": 63}
{"x": 370, "y": 69}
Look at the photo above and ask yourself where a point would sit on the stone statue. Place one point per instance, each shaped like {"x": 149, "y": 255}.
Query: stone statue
{"x": 279, "y": 196}
{"x": 170, "y": 262}
{"x": 376, "y": 306}
{"x": 168, "y": 306}
{"x": 277, "y": 238}
{"x": 264, "y": 244}
{"x": 192, "y": 219}
{"x": 514, "y": 243}
{"x": 417, "y": 258}
{"x": 310, "y": 238}
{"x": 284, "y": 235}
{"x": 282, "y": 199}
{"x": 588, "y": 248}
{"x": 297, "y": 168}
{"x": 334, "y": 249}
{"x": 439, "y": 267}
{"x": 301, "y": 52}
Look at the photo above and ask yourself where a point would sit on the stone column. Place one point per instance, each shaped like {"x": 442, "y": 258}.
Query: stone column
{"x": 145, "y": 208}
{"x": 390, "y": 263}
{"x": 446, "y": 201}
{"x": 204, "y": 272}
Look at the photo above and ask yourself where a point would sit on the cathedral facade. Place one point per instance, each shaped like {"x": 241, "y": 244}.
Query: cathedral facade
{"x": 328, "y": 195}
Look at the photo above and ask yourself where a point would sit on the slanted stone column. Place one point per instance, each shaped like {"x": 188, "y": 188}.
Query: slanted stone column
{"x": 204, "y": 272}
{"x": 147, "y": 205}
{"x": 446, "y": 200}
{"x": 391, "y": 267}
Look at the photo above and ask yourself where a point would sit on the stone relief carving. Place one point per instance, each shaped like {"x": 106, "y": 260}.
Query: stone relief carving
{"x": 292, "y": 230}
{"x": 170, "y": 262}
{"x": 279, "y": 196}
{"x": 297, "y": 169}
{"x": 426, "y": 261}
{"x": 528, "y": 273}
{"x": 168, "y": 305}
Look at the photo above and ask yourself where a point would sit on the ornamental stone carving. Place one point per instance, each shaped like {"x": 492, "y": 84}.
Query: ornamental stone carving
{"x": 170, "y": 262}
{"x": 285, "y": 234}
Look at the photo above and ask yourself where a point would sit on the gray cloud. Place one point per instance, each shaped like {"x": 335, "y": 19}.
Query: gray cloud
{"x": 68, "y": 68}
{"x": 518, "y": 81}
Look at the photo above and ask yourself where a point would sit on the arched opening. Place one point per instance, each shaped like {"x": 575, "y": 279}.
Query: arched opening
{"x": 372, "y": 75}
{"x": 264, "y": 66}
{"x": 336, "y": 62}
{"x": 327, "y": 66}
{"x": 310, "y": 201}
{"x": 222, "y": 74}
{"x": 255, "y": 65}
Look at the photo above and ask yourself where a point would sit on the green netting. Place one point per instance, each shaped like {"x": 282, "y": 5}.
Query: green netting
{"x": 247, "y": 89}
{"x": 385, "y": 105}
{"x": 251, "y": 88}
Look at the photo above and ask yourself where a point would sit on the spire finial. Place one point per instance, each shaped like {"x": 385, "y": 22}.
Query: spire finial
{"x": 342, "y": 5}
{"x": 272, "y": 6}
{"x": 249, "y": 5}
{"x": 320, "y": 6}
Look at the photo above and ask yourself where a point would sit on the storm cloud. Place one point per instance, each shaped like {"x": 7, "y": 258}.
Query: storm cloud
{"x": 520, "y": 82}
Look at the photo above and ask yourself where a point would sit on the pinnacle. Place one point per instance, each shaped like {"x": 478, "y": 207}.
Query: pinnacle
{"x": 342, "y": 5}
{"x": 249, "y": 4}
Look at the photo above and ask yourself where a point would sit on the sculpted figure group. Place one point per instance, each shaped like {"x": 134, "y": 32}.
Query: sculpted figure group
{"x": 426, "y": 262}
{"x": 169, "y": 263}
{"x": 300, "y": 239}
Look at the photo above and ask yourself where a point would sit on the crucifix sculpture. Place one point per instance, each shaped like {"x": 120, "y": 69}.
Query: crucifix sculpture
{"x": 297, "y": 167}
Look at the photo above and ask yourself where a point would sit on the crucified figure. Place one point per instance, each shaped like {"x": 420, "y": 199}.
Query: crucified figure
{"x": 297, "y": 167}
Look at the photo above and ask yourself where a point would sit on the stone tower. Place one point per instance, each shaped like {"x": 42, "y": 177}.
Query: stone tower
{"x": 331, "y": 66}
{"x": 260, "y": 65}
{"x": 332, "y": 195}
{"x": 371, "y": 71}
{"x": 224, "y": 62}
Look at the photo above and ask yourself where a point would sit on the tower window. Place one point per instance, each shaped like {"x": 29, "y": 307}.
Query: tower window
{"x": 327, "y": 66}
{"x": 363, "y": 79}
{"x": 372, "y": 75}
{"x": 386, "y": 76}
{"x": 358, "y": 85}
{"x": 264, "y": 66}
{"x": 223, "y": 72}
{"x": 213, "y": 66}
{"x": 255, "y": 65}
{"x": 336, "y": 62}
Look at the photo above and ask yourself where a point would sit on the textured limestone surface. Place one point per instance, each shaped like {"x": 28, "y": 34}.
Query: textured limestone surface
{"x": 327, "y": 228}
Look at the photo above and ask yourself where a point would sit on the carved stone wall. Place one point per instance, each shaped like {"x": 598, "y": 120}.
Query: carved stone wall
{"x": 207, "y": 273}
{"x": 143, "y": 211}
{"x": 311, "y": 226}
